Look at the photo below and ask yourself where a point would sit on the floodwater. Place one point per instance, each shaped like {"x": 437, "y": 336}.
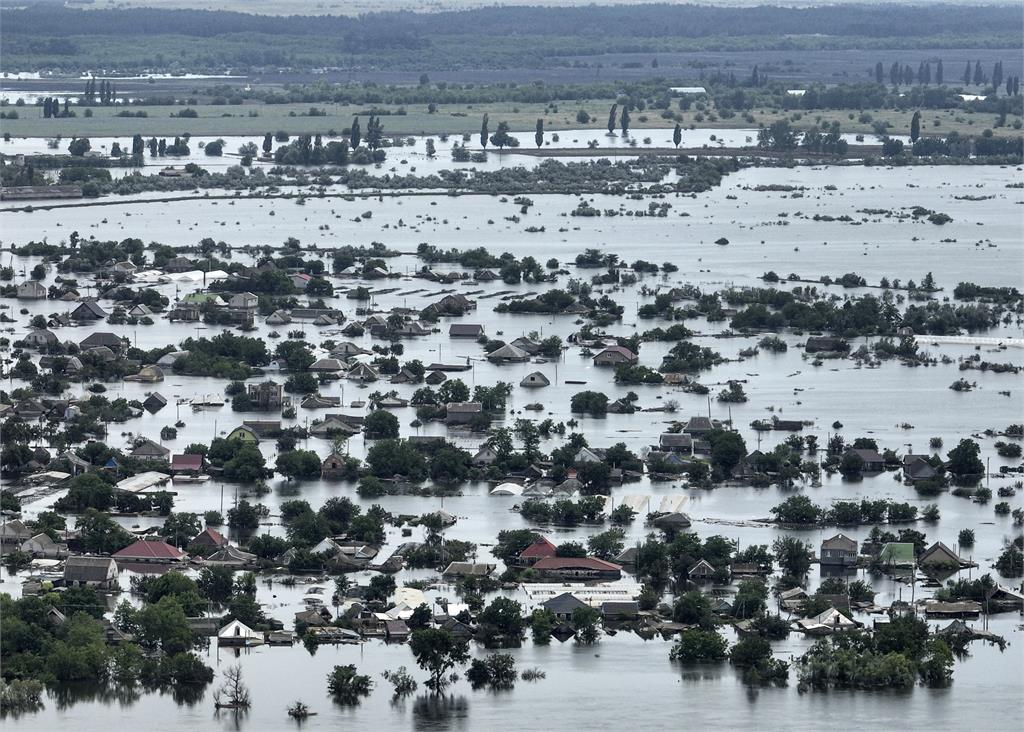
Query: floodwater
{"x": 636, "y": 684}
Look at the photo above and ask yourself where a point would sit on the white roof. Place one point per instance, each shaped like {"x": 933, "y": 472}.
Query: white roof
{"x": 410, "y": 596}
{"x": 688, "y": 90}
{"x": 237, "y": 629}
{"x": 671, "y": 504}
{"x": 592, "y": 594}
{"x": 142, "y": 482}
{"x": 508, "y": 489}
{"x": 831, "y": 618}
{"x": 637, "y": 503}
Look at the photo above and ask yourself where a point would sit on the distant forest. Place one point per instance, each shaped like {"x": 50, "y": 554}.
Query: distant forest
{"x": 641, "y": 21}
{"x": 54, "y": 36}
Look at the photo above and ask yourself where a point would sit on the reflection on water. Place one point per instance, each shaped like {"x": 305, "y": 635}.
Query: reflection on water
{"x": 67, "y": 695}
{"x": 231, "y": 718}
{"x": 440, "y": 711}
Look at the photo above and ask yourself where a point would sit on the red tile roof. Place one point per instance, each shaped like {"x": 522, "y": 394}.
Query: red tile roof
{"x": 576, "y": 563}
{"x": 150, "y": 550}
{"x": 187, "y": 462}
{"x": 210, "y": 537}
{"x": 540, "y": 548}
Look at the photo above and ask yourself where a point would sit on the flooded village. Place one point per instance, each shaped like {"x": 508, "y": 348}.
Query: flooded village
{"x": 570, "y": 422}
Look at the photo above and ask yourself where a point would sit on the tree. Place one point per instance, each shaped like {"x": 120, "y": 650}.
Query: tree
{"x": 215, "y": 583}
{"x": 793, "y": 555}
{"x": 244, "y": 516}
{"x": 777, "y": 136}
{"x": 851, "y": 465}
{"x": 294, "y": 355}
{"x": 624, "y": 120}
{"x": 268, "y": 143}
{"x": 502, "y": 621}
{"x": 727, "y": 449}
{"x": 246, "y": 466}
{"x": 1011, "y": 562}
{"x": 608, "y": 544}
{"x": 164, "y": 625}
{"x": 347, "y": 686}
{"x": 497, "y": 671}
{"x": 677, "y": 135}
{"x": 964, "y": 463}
{"x": 879, "y": 73}
{"x": 501, "y": 138}
{"x": 938, "y": 73}
{"x": 299, "y": 464}
{"x": 354, "y": 136}
{"x": 79, "y": 146}
{"x": 612, "y": 119}
{"x": 381, "y": 425}
{"x": 695, "y": 645}
{"x": 915, "y": 127}
{"x": 542, "y": 622}
{"x": 483, "y": 131}
{"x": 693, "y": 608}
{"x": 891, "y": 147}
{"x": 570, "y": 549}
{"x": 585, "y": 620}
{"x": 100, "y": 534}
{"x": 538, "y": 136}
{"x": 437, "y": 652}
{"x": 180, "y": 528}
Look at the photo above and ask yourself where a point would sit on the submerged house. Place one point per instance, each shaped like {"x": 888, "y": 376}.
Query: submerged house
{"x": 939, "y": 556}
{"x": 615, "y": 356}
{"x": 840, "y": 550}
{"x": 237, "y": 633}
{"x": 97, "y": 572}
{"x": 535, "y": 380}
{"x": 151, "y": 552}
{"x": 563, "y": 606}
{"x": 333, "y": 466}
{"x": 577, "y": 568}
{"x": 463, "y": 412}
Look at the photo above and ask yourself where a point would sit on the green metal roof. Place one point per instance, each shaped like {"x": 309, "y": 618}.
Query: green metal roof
{"x": 897, "y": 554}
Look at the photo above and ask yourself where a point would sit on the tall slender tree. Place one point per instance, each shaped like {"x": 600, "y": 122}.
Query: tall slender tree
{"x": 625, "y": 120}
{"x": 915, "y": 127}
{"x": 677, "y": 135}
{"x": 967, "y": 74}
{"x": 879, "y": 73}
{"x": 354, "y": 135}
{"x": 538, "y": 136}
{"x": 483, "y": 131}
{"x": 612, "y": 118}
{"x": 938, "y": 72}
{"x": 268, "y": 143}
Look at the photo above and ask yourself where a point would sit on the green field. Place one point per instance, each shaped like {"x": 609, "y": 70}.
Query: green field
{"x": 452, "y": 119}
